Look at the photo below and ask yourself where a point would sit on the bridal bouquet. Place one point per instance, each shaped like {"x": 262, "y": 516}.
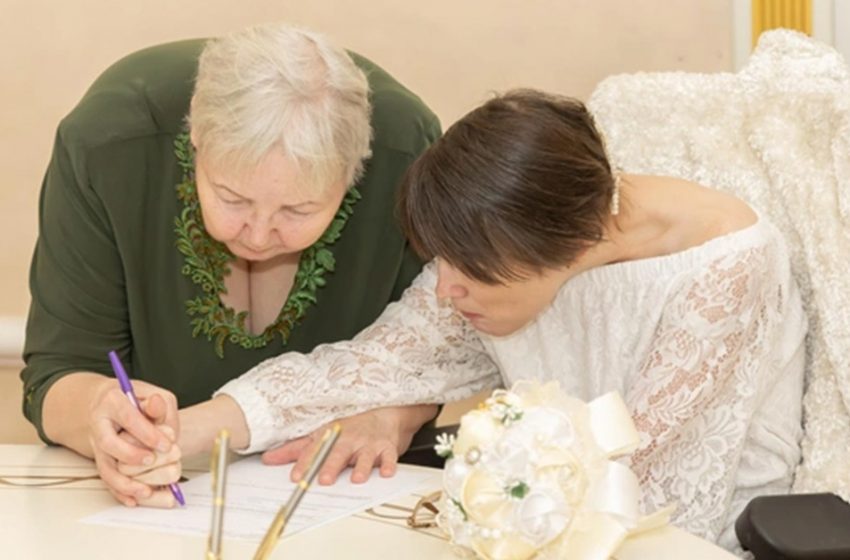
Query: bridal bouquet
{"x": 530, "y": 475}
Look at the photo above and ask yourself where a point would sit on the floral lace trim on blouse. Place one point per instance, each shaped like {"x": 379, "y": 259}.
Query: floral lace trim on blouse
{"x": 207, "y": 263}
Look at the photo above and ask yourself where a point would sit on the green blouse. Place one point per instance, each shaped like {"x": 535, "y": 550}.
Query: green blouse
{"x": 122, "y": 260}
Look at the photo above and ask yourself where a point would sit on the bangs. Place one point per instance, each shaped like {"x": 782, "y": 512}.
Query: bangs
{"x": 440, "y": 220}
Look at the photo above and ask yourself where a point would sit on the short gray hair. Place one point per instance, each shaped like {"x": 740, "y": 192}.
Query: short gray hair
{"x": 276, "y": 86}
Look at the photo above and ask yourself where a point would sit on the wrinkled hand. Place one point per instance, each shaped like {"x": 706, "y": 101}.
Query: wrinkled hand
{"x": 369, "y": 439}
{"x": 122, "y": 434}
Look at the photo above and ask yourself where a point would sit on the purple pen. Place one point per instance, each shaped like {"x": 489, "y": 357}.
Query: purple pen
{"x": 127, "y": 389}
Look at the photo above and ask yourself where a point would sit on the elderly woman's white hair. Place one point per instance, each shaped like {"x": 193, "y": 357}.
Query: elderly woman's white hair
{"x": 277, "y": 86}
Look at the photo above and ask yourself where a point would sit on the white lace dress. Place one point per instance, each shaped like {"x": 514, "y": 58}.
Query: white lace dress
{"x": 706, "y": 346}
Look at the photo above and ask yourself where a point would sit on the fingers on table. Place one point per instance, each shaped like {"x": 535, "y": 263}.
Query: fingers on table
{"x": 288, "y": 452}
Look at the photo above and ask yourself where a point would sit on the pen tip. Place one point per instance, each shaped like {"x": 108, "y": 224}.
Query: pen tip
{"x": 178, "y": 495}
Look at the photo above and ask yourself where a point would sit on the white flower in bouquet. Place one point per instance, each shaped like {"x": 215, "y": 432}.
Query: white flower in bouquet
{"x": 530, "y": 474}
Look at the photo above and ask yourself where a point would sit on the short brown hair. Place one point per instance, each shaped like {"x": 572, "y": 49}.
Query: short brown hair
{"x": 519, "y": 185}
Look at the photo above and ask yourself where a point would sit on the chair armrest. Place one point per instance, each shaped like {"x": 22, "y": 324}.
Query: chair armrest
{"x": 796, "y": 527}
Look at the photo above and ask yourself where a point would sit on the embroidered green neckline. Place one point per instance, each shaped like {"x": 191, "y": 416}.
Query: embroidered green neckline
{"x": 207, "y": 262}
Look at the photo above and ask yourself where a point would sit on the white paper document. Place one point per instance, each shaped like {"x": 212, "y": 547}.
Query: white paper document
{"x": 255, "y": 492}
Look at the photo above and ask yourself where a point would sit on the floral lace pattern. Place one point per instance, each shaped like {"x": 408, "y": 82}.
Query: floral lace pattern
{"x": 712, "y": 358}
{"x": 418, "y": 351}
{"x": 207, "y": 263}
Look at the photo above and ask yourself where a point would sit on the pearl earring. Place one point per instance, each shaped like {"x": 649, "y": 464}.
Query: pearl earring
{"x": 615, "y": 196}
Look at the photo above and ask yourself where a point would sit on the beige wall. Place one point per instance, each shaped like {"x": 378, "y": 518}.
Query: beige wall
{"x": 451, "y": 52}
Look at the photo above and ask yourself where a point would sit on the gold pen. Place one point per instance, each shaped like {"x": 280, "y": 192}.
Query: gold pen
{"x": 282, "y": 518}
{"x": 218, "y": 470}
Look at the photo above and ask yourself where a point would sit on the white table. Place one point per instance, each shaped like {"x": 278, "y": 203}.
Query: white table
{"x": 41, "y": 523}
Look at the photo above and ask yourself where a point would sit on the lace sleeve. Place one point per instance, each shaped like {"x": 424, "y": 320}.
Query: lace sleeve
{"x": 417, "y": 351}
{"x": 696, "y": 393}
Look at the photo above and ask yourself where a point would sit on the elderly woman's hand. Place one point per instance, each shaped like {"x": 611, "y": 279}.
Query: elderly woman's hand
{"x": 369, "y": 439}
{"x": 119, "y": 433}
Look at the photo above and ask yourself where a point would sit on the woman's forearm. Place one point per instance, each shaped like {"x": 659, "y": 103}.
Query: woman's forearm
{"x": 201, "y": 423}
{"x": 67, "y": 406}
{"x": 68, "y": 403}
{"x": 418, "y": 415}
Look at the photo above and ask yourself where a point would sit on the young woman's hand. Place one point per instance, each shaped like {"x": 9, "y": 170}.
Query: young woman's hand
{"x": 370, "y": 439}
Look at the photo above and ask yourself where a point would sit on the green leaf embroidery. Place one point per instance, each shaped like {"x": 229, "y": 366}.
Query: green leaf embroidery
{"x": 326, "y": 259}
{"x": 207, "y": 262}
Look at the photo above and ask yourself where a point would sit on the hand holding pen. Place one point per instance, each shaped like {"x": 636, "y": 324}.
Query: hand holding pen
{"x": 134, "y": 451}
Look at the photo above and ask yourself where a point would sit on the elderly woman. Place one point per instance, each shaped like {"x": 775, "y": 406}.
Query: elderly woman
{"x": 550, "y": 264}
{"x": 200, "y": 225}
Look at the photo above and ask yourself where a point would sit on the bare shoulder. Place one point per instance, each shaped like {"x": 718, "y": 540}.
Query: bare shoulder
{"x": 732, "y": 213}
{"x": 720, "y": 211}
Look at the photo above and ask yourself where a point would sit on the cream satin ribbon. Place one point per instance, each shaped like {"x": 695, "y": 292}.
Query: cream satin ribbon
{"x": 609, "y": 513}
